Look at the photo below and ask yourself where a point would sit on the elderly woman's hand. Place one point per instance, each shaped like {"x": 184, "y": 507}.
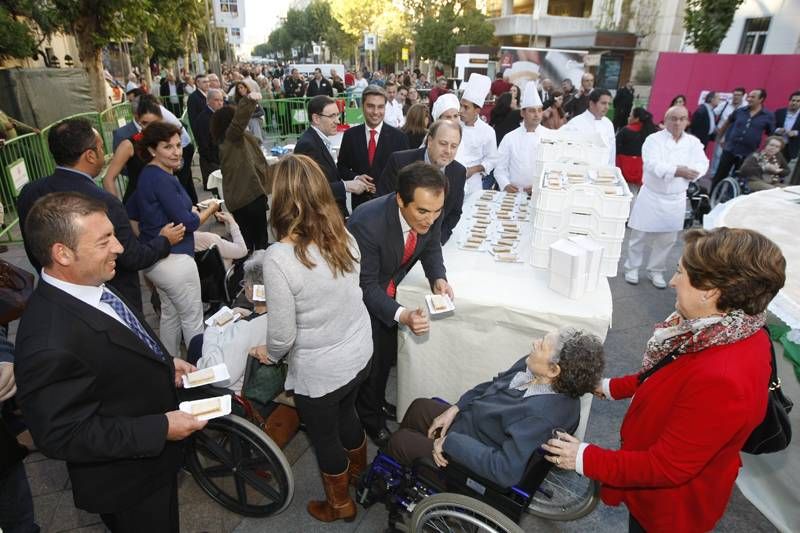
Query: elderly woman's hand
{"x": 442, "y": 422}
{"x": 260, "y": 353}
{"x": 562, "y": 451}
{"x": 438, "y": 452}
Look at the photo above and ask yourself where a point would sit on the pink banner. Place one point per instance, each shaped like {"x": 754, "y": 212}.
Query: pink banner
{"x": 691, "y": 74}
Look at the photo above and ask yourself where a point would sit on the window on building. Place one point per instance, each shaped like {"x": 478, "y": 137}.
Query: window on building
{"x": 236, "y": 33}
{"x": 229, "y": 6}
{"x": 755, "y": 34}
{"x": 570, "y": 8}
{"x": 522, "y": 7}
{"x": 494, "y": 8}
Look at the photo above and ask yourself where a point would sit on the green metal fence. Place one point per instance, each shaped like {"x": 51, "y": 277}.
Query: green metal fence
{"x": 22, "y": 159}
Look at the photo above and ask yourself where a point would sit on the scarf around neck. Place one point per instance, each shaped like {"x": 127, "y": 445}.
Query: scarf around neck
{"x": 681, "y": 336}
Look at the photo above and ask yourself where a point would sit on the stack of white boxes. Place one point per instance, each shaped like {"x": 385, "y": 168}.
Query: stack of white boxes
{"x": 575, "y": 266}
{"x": 578, "y": 198}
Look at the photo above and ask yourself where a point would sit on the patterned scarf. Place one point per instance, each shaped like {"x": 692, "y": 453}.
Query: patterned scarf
{"x": 694, "y": 335}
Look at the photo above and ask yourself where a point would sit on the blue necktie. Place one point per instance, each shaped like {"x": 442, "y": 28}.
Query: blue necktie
{"x": 131, "y": 321}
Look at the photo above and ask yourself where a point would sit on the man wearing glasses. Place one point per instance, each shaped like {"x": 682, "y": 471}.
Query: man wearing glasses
{"x": 315, "y": 143}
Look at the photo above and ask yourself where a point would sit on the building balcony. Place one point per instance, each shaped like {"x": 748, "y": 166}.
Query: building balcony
{"x": 547, "y": 25}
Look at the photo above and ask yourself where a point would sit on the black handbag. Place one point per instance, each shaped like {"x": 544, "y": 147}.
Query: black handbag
{"x": 774, "y": 433}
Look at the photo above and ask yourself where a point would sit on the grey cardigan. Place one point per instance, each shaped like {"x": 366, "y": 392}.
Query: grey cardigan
{"x": 497, "y": 430}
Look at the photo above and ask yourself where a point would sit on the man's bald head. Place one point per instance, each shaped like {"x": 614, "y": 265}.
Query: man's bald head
{"x": 676, "y": 119}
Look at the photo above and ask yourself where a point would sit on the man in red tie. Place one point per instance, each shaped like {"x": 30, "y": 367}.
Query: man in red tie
{"x": 394, "y": 232}
{"x": 366, "y": 148}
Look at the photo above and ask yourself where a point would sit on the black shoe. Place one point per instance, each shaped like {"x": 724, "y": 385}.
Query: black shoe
{"x": 380, "y": 436}
{"x": 389, "y": 411}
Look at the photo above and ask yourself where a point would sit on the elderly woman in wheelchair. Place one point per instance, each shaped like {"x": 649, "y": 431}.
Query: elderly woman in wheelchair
{"x": 490, "y": 438}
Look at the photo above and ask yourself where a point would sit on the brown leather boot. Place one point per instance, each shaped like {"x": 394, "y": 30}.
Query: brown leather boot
{"x": 358, "y": 462}
{"x": 338, "y": 503}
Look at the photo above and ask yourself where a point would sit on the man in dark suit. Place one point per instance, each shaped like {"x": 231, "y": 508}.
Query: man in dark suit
{"x": 366, "y": 148}
{"x": 78, "y": 151}
{"x": 787, "y": 123}
{"x": 704, "y": 121}
{"x": 96, "y": 387}
{"x": 293, "y": 86}
{"x": 315, "y": 143}
{"x": 623, "y": 104}
{"x": 206, "y": 147}
{"x": 197, "y": 100}
{"x": 171, "y": 92}
{"x": 441, "y": 147}
{"x": 394, "y": 232}
{"x": 319, "y": 85}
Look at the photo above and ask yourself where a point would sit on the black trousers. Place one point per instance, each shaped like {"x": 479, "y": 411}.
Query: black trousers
{"x": 185, "y": 173}
{"x": 252, "y": 220}
{"x": 411, "y": 441}
{"x": 206, "y": 168}
{"x": 727, "y": 161}
{"x": 332, "y": 424}
{"x": 372, "y": 395}
{"x": 157, "y": 513}
{"x": 634, "y": 526}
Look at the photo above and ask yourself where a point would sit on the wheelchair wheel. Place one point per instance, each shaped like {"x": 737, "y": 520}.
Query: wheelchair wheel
{"x": 564, "y": 495}
{"x": 236, "y": 464}
{"x": 451, "y": 513}
{"x": 725, "y": 190}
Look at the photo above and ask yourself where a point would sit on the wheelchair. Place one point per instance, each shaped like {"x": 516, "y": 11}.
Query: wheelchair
{"x": 730, "y": 187}
{"x": 234, "y": 459}
{"x": 425, "y": 498}
{"x": 218, "y": 286}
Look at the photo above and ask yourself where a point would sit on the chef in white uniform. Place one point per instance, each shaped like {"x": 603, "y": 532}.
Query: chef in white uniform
{"x": 478, "y": 148}
{"x": 446, "y": 108}
{"x": 594, "y": 120}
{"x": 516, "y": 157}
{"x": 672, "y": 159}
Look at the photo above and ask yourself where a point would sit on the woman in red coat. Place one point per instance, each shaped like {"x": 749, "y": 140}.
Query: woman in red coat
{"x": 629, "y": 145}
{"x": 690, "y": 417}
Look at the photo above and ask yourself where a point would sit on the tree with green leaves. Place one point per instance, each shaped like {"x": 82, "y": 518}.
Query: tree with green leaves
{"x": 447, "y": 25}
{"x": 707, "y": 22}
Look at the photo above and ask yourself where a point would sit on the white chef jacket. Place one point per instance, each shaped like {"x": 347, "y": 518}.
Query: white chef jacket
{"x": 478, "y": 147}
{"x": 516, "y": 158}
{"x": 394, "y": 114}
{"x": 661, "y": 203}
{"x": 587, "y": 123}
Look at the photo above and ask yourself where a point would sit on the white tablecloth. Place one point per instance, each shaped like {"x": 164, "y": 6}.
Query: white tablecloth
{"x": 772, "y": 482}
{"x": 500, "y": 309}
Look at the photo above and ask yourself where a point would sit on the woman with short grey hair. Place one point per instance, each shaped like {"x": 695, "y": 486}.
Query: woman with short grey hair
{"x": 233, "y": 342}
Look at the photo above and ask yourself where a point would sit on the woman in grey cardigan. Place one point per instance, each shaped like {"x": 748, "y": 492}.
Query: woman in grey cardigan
{"x": 495, "y": 427}
{"x": 319, "y": 322}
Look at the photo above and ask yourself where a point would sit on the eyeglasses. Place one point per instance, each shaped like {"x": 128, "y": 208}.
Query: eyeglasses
{"x": 331, "y": 116}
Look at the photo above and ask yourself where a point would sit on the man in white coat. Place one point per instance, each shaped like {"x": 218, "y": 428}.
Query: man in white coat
{"x": 672, "y": 158}
{"x": 516, "y": 157}
{"x": 478, "y": 148}
{"x": 594, "y": 120}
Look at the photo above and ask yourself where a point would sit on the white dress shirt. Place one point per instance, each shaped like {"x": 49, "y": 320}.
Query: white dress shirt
{"x": 516, "y": 158}
{"x": 661, "y": 203}
{"x": 377, "y": 129}
{"x": 406, "y": 228}
{"x": 478, "y": 147}
{"x": 394, "y": 114}
{"x": 586, "y": 122}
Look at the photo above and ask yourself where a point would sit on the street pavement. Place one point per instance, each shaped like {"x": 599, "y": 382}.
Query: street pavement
{"x": 636, "y": 309}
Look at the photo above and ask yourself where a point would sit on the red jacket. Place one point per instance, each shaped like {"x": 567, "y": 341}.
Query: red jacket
{"x": 681, "y": 436}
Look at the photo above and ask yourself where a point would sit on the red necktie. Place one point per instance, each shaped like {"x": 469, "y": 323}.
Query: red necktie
{"x": 371, "y": 146}
{"x": 408, "y": 251}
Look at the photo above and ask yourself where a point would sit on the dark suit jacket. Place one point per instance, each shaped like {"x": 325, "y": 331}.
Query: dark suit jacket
{"x": 792, "y": 148}
{"x": 376, "y": 227}
{"x": 456, "y": 177}
{"x": 208, "y": 149}
{"x": 700, "y": 124}
{"x": 95, "y": 395}
{"x": 125, "y": 132}
{"x": 163, "y": 89}
{"x": 194, "y": 106}
{"x": 354, "y": 159}
{"x": 314, "y": 89}
{"x": 311, "y": 144}
{"x": 136, "y": 255}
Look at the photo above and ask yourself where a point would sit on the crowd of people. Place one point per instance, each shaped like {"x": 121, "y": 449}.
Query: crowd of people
{"x": 323, "y": 293}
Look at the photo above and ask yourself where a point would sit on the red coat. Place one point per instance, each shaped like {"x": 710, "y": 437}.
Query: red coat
{"x": 681, "y": 437}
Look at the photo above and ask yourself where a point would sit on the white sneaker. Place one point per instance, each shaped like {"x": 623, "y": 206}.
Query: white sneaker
{"x": 657, "y": 278}
{"x": 632, "y": 277}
